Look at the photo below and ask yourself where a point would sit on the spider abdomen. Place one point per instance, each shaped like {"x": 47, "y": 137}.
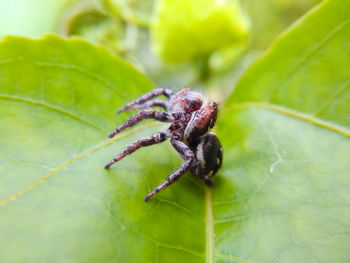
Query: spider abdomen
{"x": 208, "y": 155}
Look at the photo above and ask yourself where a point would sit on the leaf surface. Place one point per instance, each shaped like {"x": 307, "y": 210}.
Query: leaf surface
{"x": 58, "y": 101}
{"x": 281, "y": 196}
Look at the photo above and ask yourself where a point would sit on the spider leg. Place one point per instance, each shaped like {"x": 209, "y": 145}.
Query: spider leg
{"x": 157, "y": 138}
{"x": 148, "y": 96}
{"x": 150, "y": 104}
{"x": 145, "y": 114}
{"x": 188, "y": 155}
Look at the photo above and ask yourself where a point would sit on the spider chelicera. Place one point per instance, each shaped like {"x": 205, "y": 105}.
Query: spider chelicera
{"x": 191, "y": 116}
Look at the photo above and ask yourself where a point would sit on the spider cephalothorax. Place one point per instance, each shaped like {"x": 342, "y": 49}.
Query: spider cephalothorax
{"x": 191, "y": 116}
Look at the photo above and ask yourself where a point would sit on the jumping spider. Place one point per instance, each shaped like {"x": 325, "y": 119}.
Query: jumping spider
{"x": 191, "y": 116}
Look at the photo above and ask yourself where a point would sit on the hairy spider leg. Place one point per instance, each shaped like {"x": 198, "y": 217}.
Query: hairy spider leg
{"x": 157, "y": 138}
{"x": 150, "y": 104}
{"x": 145, "y": 114}
{"x": 188, "y": 155}
{"x": 148, "y": 96}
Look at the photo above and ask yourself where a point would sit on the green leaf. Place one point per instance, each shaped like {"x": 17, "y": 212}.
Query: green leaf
{"x": 58, "y": 100}
{"x": 283, "y": 195}
{"x": 183, "y": 30}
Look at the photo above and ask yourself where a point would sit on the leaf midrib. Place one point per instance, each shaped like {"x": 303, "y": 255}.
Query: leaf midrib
{"x": 209, "y": 226}
{"x": 292, "y": 113}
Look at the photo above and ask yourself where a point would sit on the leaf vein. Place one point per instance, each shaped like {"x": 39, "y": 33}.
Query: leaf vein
{"x": 13, "y": 196}
{"x": 309, "y": 53}
{"x": 331, "y": 98}
{"x": 292, "y": 113}
{"x": 209, "y": 227}
{"x": 66, "y": 67}
{"x": 52, "y": 107}
{"x": 181, "y": 207}
{"x": 27, "y": 162}
{"x": 229, "y": 219}
{"x": 230, "y": 257}
{"x": 157, "y": 242}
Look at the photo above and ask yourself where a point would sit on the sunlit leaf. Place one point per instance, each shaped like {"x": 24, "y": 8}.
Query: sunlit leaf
{"x": 281, "y": 195}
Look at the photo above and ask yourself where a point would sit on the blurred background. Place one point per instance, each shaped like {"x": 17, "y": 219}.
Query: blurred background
{"x": 203, "y": 44}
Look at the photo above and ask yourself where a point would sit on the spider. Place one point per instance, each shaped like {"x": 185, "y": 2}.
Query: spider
{"x": 191, "y": 116}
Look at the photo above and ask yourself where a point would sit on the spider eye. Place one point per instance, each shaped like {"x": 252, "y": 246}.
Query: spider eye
{"x": 194, "y": 105}
{"x": 212, "y": 104}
